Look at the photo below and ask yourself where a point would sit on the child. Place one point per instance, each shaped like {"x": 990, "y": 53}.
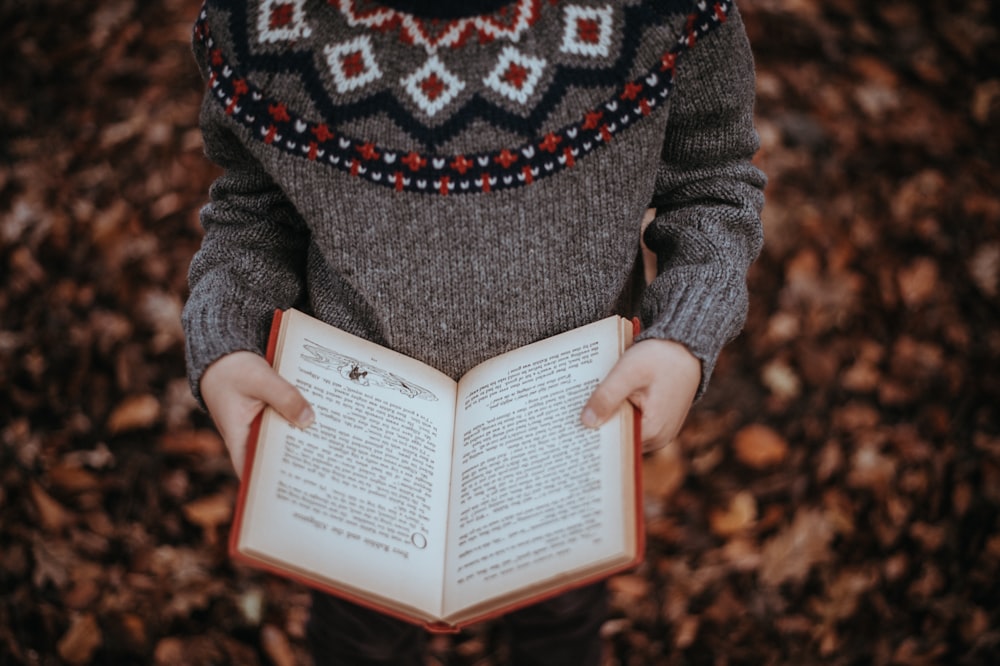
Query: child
{"x": 456, "y": 178}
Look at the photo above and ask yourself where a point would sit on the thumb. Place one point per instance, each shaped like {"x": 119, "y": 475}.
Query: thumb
{"x": 607, "y": 397}
{"x": 274, "y": 390}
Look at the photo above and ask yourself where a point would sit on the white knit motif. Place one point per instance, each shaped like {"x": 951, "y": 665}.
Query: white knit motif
{"x": 352, "y": 64}
{"x": 432, "y": 36}
{"x": 281, "y": 20}
{"x": 516, "y": 75}
{"x": 588, "y": 30}
{"x": 432, "y": 86}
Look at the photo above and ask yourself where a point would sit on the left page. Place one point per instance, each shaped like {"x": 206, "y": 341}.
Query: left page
{"x": 359, "y": 499}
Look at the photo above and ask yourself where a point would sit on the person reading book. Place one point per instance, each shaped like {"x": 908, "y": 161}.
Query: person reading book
{"x": 453, "y": 179}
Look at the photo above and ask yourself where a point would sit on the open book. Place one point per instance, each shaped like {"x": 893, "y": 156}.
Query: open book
{"x": 438, "y": 502}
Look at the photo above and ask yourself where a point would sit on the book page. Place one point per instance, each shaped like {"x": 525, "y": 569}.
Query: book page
{"x": 360, "y": 496}
{"x": 534, "y": 493}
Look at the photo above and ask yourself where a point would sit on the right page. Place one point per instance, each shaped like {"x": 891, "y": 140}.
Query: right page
{"x": 535, "y": 494}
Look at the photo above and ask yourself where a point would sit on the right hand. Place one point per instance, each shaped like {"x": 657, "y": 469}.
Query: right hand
{"x": 237, "y": 387}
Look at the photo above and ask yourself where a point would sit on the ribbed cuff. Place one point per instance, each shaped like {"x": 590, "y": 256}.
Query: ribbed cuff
{"x": 696, "y": 313}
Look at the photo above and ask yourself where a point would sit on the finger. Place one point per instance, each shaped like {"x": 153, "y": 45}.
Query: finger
{"x": 609, "y": 395}
{"x": 237, "y": 454}
{"x": 663, "y": 414}
{"x": 656, "y": 434}
{"x": 272, "y": 389}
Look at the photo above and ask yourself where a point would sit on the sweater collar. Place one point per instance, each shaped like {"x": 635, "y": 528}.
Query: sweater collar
{"x": 446, "y": 9}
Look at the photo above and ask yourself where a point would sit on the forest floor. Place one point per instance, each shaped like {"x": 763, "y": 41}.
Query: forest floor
{"x": 834, "y": 499}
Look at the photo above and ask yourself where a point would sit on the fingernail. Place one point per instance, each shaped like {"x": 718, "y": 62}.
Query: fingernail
{"x": 306, "y": 418}
{"x": 589, "y": 418}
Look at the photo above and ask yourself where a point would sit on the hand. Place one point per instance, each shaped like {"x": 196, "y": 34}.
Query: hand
{"x": 659, "y": 377}
{"x": 237, "y": 387}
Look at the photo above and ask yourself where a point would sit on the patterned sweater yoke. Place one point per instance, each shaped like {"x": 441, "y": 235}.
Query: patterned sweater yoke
{"x": 457, "y": 185}
{"x": 468, "y": 104}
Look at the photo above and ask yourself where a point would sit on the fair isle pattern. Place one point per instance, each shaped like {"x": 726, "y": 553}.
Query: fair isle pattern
{"x": 432, "y": 86}
{"x": 588, "y": 31}
{"x": 352, "y": 64}
{"x": 282, "y": 20}
{"x": 476, "y": 103}
{"x": 273, "y": 123}
{"x": 508, "y": 23}
{"x": 516, "y": 75}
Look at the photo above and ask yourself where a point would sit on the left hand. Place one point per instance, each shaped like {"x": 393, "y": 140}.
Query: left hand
{"x": 659, "y": 377}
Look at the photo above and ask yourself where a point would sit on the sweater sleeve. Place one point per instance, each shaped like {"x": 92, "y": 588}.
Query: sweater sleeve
{"x": 251, "y": 259}
{"x": 708, "y": 198}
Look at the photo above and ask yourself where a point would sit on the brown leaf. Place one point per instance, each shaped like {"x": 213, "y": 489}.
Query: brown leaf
{"x": 161, "y": 311}
{"x": 844, "y": 594}
{"x": 53, "y": 562}
{"x": 169, "y": 652}
{"x": 686, "y": 632}
{"x": 134, "y": 413}
{"x": 871, "y": 469}
{"x": 630, "y": 589}
{"x": 984, "y": 267}
{"x": 931, "y": 582}
{"x": 276, "y": 646}
{"x": 204, "y": 443}
{"x": 781, "y": 380}
{"x": 791, "y": 554}
{"x": 85, "y": 587}
{"x": 986, "y": 101}
{"x": 738, "y": 517}
{"x": 73, "y": 479}
{"x": 931, "y": 537}
{"x": 759, "y": 446}
{"x": 918, "y": 281}
{"x": 209, "y": 513}
{"x": 54, "y": 516}
{"x": 663, "y": 472}
{"x": 81, "y": 641}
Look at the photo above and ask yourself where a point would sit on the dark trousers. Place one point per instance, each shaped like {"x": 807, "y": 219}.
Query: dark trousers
{"x": 561, "y": 630}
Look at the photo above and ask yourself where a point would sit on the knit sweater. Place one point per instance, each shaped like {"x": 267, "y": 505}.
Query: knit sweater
{"x": 453, "y": 187}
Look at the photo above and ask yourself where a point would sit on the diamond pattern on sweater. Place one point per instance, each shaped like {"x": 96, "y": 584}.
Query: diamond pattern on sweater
{"x": 588, "y": 31}
{"x": 414, "y": 99}
{"x": 516, "y": 75}
{"x": 352, "y": 64}
{"x": 281, "y": 20}
{"x": 510, "y": 22}
{"x": 432, "y": 86}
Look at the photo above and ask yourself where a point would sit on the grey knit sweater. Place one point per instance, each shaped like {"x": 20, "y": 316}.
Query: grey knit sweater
{"x": 455, "y": 187}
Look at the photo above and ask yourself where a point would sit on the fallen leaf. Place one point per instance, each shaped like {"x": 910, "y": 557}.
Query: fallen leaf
{"x": 169, "y": 652}
{"x": 134, "y": 413}
{"x": 663, "y": 471}
{"x": 631, "y": 589}
{"x": 986, "y": 101}
{"x": 54, "y": 516}
{"x": 686, "y": 632}
{"x": 781, "y": 380}
{"x": 844, "y": 594}
{"x": 759, "y": 446}
{"x": 738, "y": 517}
{"x": 81, "y": 641}
{"x": 984, "y": 267}
{"x": 210, "y": 513}
{"x": 73, "y": 479}
{"x": 276, "y": 646}
{"x": 204, "y": 443}
{"x": 790, "y": 555}
{"x": 871, "y": 469}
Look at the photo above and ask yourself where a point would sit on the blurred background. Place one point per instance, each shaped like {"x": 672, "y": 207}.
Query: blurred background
{"x": 834, "y": 499}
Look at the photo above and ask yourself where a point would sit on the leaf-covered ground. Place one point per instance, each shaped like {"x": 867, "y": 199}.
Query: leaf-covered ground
{"x": 834, "y": 499}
